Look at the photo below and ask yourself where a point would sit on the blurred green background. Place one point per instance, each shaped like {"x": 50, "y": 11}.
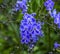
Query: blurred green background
{"x": 10, "y": 34}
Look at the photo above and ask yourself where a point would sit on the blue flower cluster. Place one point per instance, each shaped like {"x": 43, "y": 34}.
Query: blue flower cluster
{"x": 56, "y": 17}
{"x": 49, "y": 4}
{"x": 56, "y": 45}
{"x": 21, "y": 5}
{"x": 30, "y": 30}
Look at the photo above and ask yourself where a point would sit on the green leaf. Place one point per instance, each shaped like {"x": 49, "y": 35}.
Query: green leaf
{"x": 1, "y": 1}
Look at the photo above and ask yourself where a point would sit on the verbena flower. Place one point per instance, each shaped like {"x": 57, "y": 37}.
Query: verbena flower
{"x": 56, "y": 45}
{"x": 30, "y": 30}
{"x": 49, "y": 4}
{"x": 57, "y": 19}
{"x": 53, "y": 13}
{"x": 21, "y": 5}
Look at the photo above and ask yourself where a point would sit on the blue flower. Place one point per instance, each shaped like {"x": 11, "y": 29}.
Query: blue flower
{"x": 59, "y": 25}
{"x": 25, "y": 1}
{"x": 56, "y": 45}
{"x": 21, "y": 5}
{"x": 57, "y": 19}
{"x": 53, "y": 13}
{"x": 30, "y": 30}
{"x": 49, "y": 4}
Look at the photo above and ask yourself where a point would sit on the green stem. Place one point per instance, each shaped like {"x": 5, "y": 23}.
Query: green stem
{"x": 49, "y": 38}
{"x": 48, "y": 34}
